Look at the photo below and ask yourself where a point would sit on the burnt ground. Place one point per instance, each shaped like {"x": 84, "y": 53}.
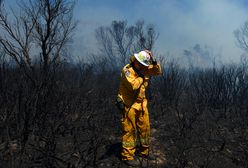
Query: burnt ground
{"x": 111, "y": 154}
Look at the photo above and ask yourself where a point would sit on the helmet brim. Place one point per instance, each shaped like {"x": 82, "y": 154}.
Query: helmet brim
{"x": 137, "y": 58}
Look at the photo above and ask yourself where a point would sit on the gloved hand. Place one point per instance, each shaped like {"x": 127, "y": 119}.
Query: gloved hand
{"x": 119, "y": 103}
{"x": 153, "y": 61}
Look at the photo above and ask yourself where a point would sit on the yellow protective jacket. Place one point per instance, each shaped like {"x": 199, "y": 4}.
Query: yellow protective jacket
{"x": 132, "y": 87}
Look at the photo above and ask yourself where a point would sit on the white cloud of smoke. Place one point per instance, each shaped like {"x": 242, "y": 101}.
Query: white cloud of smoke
{"x": 180, "y": 24}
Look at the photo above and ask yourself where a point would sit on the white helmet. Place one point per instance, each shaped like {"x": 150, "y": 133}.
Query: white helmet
{"x": 143, "y": 57}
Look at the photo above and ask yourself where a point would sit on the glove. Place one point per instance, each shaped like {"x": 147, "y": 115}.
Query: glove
{"x": 119, "y": 103}
{"x": 153, "y": 61}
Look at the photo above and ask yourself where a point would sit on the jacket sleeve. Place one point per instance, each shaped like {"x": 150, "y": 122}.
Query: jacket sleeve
{"x": 153, "y": 70}
{"x": 132, "y": 81}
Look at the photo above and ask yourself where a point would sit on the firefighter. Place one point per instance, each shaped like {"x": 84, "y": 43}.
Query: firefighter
{"x": 132, "y": 102}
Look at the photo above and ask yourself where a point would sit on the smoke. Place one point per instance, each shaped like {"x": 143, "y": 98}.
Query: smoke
{"x": 181, "y": 24}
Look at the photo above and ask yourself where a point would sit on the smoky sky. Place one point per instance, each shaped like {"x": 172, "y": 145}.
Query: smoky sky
{"x": 181, "y": 24}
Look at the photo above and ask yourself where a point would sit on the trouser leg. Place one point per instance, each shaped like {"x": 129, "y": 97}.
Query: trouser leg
{"x": 143, "y": 127}
{"x": 129, "y": 134}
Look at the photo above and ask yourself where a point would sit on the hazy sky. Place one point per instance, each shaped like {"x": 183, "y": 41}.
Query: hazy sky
{"x": 180, "y": 23}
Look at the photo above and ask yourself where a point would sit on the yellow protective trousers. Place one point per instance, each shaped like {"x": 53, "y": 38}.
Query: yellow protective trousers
{"x": 135, "y": 124}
